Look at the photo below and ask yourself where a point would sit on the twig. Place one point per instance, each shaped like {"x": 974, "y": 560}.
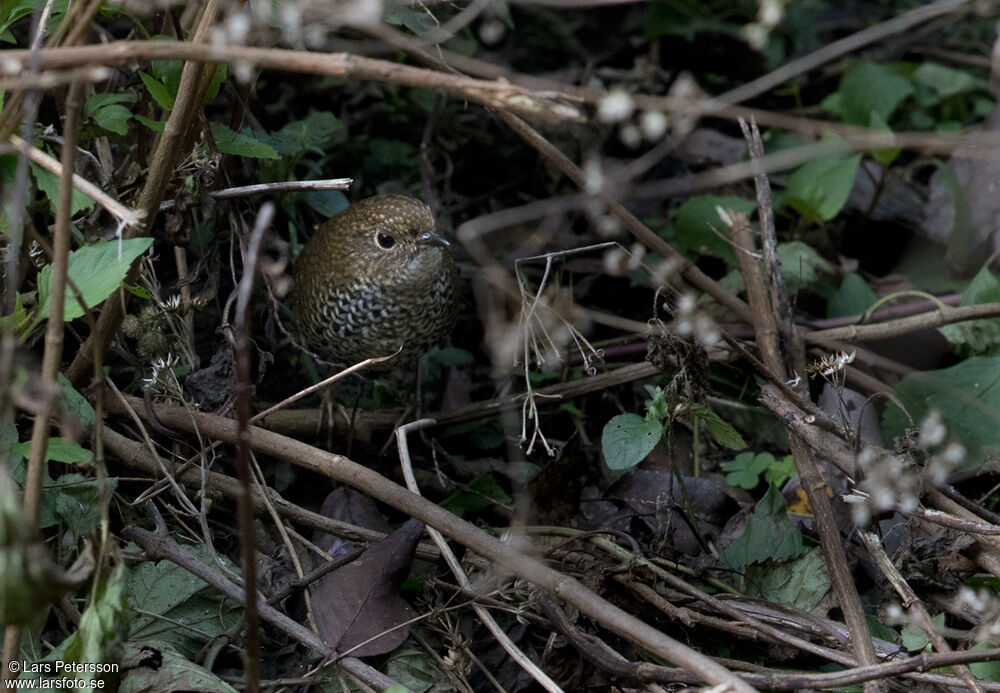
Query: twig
{"x": 37, "y": 469}
{"x": 912, "y": 602}
{"x": 901, "y": 326}
{"x": 244, "y": 510}
{"x": 159, "y": 545}
{"x": 178, "y": 135}
{"x": 844, "y": 46}
{"x": 342, "y": 469}
{"x": 51, "y": 80}
{"x": 273, "y": 188}
{"x": 128, "y": 217}
{"x": 760, "y": 283}
{"x": 456, "y": 568}
{"x": 135, "y": 455}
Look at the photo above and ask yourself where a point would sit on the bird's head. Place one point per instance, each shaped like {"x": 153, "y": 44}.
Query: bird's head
{"x": 385, "y": 235}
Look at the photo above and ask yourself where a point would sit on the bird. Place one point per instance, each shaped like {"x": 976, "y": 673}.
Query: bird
{"x": 375, "y": 280}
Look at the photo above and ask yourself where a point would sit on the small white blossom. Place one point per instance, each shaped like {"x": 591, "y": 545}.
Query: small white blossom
{"x": 932, "y": 430}
{"x": 615, "y": 107}
{"x": 630, "y": 136}
{"x": 491, "y": 31}
{"x": 653, "y": 125}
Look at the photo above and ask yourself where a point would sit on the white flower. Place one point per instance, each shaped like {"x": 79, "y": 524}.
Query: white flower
{"x": 932, "y": 430}
{"x": 615, "y": 107}
{"x": 653, "y": 125}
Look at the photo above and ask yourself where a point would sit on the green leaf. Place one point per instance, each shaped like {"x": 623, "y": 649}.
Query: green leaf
{"x": 944, "y": 82}
{"x": 58, "y": 450}
{"x": 113, "y": 118}
{"x": 10, "y": 12}
{"x": 769, "y": 535}
{"x": 802, "y": 582}
{"x": 172, "y": 672}
{"x": 868, "y": 88}
{"x": 76, "y": 404}
{"x": 241, "y": 143}
{"x": 97, "y": 270}
{"x": 801, "y": 265}
{"x": 74, "y": 502}
{"x": 781, "y": 471}
{"x": 315, "y": 132}
{"x": 968, "y": 397}
{"x": 977, "y": 337}
{"x": 914, "y": 639}
{"x": 987, "y": 671}
{"x": 103, "y": 629}
{"x": 627, "y": 439}
{"x": 964, "y": 252}
{"x": 888, "y": 155}
{"x": 696, "y": 219}
{"x": 161, "y": 95}
{"x": 48, "y": 183}
{"x": 723, "y": 432}
{"x": 483, "y": 492}
{"x": 852, "y": 298}
{"x": 819, "y": 188}
{"x": 218, "y": 79}
{"x": 106, "y": 110}
{"x": 175, "y": 607}
{"x": 745, "y": 469}
{"x": 154, "y": 125}
{"x": 327, "y": 202}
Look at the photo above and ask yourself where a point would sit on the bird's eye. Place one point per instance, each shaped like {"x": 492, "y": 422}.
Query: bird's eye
{"x": 385, "y": 241}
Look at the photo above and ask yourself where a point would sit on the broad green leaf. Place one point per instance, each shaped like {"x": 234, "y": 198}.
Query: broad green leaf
{"x": 58, "y": 450}
{"x": 769, "y": 535}
{"x": 175, "y": 607}
{"x": 987, "y": 671}
{"x": 241, "y": 143}
{"x": 968, "y": 397}
{"x": 74, "y": 502}
{"x": 483, "y": 492}
{"x": 103, "y": 629}
{"x": 158, "y": 90}
{"x": 696, "y": 219}
{"x": 113, "y": 118}
{"x": 327, "y": 202}
{"x": 801, "y": 265}
{"x": 852, "y": 298}
{"x": 48, "y": 183}
{"x": 107, "y": 111}
{"x": 964, "y": 250}
{"x": 977, "y": 337}
{"x": 76, "y": 404}
{"x": 154, "y": 125}
{"x": 314, "y": 133}
{"x": 172, "y": 672}
{"x": 723, "y": 432}
{"x": 943, "y": 82}
{"x": 819, "y": 188}
{"x": 627, "y": 439}
{"x": 801, "y": 582}
{"x": 97, "y": 270}
{"x": 10, "y": 12}
{"x": 868, "y": 88}
{"x": 888, "y": 155}
{"x": 913, "y": 637}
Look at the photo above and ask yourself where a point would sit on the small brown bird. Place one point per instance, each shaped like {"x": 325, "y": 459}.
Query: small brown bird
{"x": 375, "y": 279}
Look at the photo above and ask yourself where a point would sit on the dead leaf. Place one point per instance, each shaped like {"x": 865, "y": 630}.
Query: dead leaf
{"x": 357, "y": 608}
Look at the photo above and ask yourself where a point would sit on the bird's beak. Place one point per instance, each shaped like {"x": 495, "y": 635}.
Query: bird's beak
{"x": 433, "y": 239}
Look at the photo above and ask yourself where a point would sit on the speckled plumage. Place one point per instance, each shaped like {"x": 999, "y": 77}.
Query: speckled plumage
{"x": 354, "y": 298}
